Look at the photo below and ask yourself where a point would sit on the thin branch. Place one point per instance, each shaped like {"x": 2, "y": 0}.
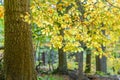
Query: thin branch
{"x": 112, "y": 4}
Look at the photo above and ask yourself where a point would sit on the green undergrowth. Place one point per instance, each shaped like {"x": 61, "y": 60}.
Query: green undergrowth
{"x": 50, "y": 77}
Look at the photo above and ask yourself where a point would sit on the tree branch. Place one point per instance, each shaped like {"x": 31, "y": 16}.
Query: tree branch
{"x": 112, "y": 4}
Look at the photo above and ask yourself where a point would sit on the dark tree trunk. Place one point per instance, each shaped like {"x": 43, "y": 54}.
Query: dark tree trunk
{"x": 62, "y": 67}
{"x": 88, "y": 61}
{"x": 44, "y": 58}
{"x": 18, "y": 57}
{"x": 101, "y": 63}
{"x": 98, "y": 68}
{"x": 80, "y": 66}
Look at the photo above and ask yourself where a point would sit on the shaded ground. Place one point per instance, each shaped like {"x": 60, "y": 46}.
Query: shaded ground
{"x": 88, "y": 77}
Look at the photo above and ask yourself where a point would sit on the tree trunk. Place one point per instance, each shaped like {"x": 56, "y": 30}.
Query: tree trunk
{"x": 104, "y": 61}
{"x": 104, "y": 64}
{"x": 98, "y": 68}
{"x": 101, "y": 63}
{"x": 88, "y": 61}
{"x": 44, "y": 58}
{"x": 18, "y": 57}
{"x": 80, "y": 66}
{"x": 80, "y": 58}
{"x": 62, "y": 67}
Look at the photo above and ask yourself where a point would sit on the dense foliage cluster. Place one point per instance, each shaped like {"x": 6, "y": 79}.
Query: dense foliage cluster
{"x": 68, "y": 23}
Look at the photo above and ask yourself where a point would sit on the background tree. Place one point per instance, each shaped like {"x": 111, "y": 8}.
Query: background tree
{"x": 18, "y": 57}
{"x": 80, "y": 54}
{"x": 75, "y": 31}
{"x": 88, "y": 61}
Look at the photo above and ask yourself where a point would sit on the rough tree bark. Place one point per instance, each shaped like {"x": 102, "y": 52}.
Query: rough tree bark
{"x": 18, "y": 57}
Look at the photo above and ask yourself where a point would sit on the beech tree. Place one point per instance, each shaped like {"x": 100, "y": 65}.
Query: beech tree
{"x": 88, "y": 31}
{"x": 18, "y": 57}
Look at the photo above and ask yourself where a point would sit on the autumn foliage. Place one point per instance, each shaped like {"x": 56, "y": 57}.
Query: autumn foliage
{"x": 1, "y": 11}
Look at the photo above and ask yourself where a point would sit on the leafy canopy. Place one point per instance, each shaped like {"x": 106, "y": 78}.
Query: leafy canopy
{"x": 61, "y": 21}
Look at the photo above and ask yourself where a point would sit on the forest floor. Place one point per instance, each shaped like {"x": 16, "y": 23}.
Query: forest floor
{"x": 68, "y": 77}
{"x": 72, "y": 75}
{"x": 89, "y": 77}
